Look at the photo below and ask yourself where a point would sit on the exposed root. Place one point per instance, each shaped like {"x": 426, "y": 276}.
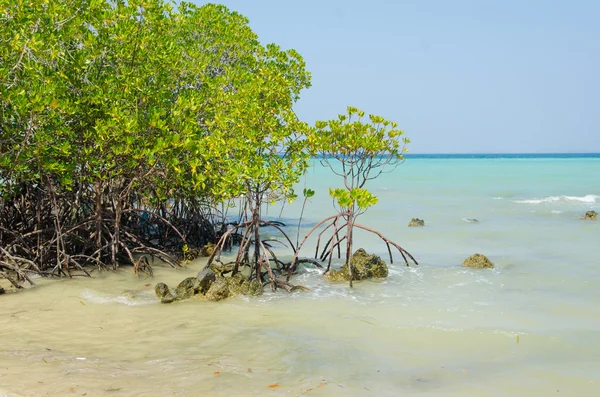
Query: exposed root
{"x": 289, "y": 287}
{"x": 48, "y": 230}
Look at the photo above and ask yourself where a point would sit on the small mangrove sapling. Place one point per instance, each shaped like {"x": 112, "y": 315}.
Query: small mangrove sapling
{"x": 357, "y": 150}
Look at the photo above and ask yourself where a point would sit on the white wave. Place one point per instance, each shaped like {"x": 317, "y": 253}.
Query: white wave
{"x": 590, "y": 198}
{"x": 550, "y": 199}
{"x": 556, "y": 212}
{"x": 99, "y": 298}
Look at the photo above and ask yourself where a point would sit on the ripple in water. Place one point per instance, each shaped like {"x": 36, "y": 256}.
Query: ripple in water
{"x": 129, "y": 298}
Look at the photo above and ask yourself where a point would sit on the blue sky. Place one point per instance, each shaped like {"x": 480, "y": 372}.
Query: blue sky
{"x": 459, "y": 76}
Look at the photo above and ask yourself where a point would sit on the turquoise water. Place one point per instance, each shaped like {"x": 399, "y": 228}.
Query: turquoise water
{"x": 529, "y": 327}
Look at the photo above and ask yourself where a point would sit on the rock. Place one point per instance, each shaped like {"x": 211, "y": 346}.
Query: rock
{"x": 478, "y": 261}
{"x": 218, "y": 290}
{"x": 213, "y": 287}
{"x": 206, "y": 277}
{"x": 2, "y": 290}
{"x": 364, "y": 266}
{"x": 237, "y": 284}
{"x": 191, "y": 254}
{"x": 338, "y": 275}
{"x": 163, "y": 292}
{"x": 221, "y": 270}
{"x": 255, "y": 288}
{"x": 187, "y": 288}
{"x": 368, "y": 266}
{"x": 590, "y": 216}
{"x": 471, "y": 220}
{"x": 416, "y": 222}
{"x": 207, "y": 250}
{"x": 244, "y": 288}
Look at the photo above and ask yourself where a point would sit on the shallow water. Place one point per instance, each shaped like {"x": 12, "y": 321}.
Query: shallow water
{"x": 531, "y": 326}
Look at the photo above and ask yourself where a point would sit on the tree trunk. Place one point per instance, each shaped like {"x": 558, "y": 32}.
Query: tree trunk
{"x": 98, "y": 214}
{"x": 349, "y": 242}
{"x": 256, "y": 226}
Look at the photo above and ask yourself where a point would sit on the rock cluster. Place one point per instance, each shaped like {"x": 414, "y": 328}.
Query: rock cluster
{"x": 212, "y": 284}
{"x": 478, "y": 261}
{"x": 416, "y": 222}
{"x": 364, "y": 266}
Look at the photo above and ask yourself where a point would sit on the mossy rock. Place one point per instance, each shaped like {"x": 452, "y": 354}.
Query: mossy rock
{"x": 221, "y": 270}
{"x": 590, "y": 216}
{"x": 236, "y": 284}
{"x": 207, "y": 250}
{"x": 163, "y": 292}
{"x": 187, "y": 288}
{"x": 219, "y": 290}
{"x": 255, "y": 288}
{"x": 205, "y": 279}
{"x": 416, "y": 222}
{"x": 478, "y": 261}
{"x": 338, "y": 275}
{"x": 364, "y": 266}
{"x": 239, "y": 285}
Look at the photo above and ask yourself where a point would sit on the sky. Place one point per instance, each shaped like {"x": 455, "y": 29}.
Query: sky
{"x": 458, "y": 76}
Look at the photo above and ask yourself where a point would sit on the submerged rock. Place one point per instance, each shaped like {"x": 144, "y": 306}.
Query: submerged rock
{"x": 414, "y": 222}
{"x": 163, "y": 292}
{"x": 2, "y": 290}
{"x": 478, "y": 261}
{"x": 590, "y": 216}
{"x": 130, "y": 293}
{"x": 364, "y": 266}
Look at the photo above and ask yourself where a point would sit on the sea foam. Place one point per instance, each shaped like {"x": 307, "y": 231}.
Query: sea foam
{"x": 590, "y": 198}
{"x": 100, "y": 298}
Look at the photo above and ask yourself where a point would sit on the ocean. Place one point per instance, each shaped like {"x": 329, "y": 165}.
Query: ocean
{"x": 528, "y": 327}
